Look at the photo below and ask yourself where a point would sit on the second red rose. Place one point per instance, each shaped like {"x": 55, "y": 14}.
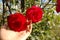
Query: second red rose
{"x": 34, "y": 13}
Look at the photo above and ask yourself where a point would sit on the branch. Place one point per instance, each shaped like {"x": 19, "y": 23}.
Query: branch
{"x": 8, "y": 5}
{"x": 22, "y": 5}
{"x": 46, "y": 4}
{"x": 3, "y": 12}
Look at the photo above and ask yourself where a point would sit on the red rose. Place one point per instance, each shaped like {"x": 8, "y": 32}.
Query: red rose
{"x": 58, "y": 6}
{"x": 58, "y": 2}
{"x": 17, "y": 22}
{"x": 34, "y": 13}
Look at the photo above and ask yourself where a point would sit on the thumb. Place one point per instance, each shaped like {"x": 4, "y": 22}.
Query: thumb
{"x": 29, "y": 27}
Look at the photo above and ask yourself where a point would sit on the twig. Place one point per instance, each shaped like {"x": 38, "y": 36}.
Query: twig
{"x": 22, "y": 5}
{"x": 7, "y": 4}
{"x": 3, "y": 12}
{"x": 46, "y": 4}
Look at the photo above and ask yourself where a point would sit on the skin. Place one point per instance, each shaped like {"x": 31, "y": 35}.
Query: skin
{"x": 12, "y": 35}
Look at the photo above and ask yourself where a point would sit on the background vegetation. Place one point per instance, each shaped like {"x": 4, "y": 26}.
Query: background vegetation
{"x": 48, "y": 28}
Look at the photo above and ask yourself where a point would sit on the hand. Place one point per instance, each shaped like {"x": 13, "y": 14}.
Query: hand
{"x": 12, "y": 35}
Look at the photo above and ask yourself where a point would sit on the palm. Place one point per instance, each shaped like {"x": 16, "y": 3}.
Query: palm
{"x": 12, "y": 35}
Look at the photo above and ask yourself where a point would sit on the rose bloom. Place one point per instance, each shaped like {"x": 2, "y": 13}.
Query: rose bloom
{"x": 34, "y": 13}
{"x": 17, "y": 22}
{"x": 58, "y": 2}
{"x": 58, "y": 6}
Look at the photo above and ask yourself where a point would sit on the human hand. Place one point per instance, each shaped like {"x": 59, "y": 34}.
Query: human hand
{"x": 12, "y": 35}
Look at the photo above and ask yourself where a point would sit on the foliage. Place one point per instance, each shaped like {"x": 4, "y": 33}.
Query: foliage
{"x": 49, "y": 27}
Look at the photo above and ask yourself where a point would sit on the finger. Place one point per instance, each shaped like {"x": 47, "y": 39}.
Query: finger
{"x": 29, "y": 27}
{"x": 4, "y": 26}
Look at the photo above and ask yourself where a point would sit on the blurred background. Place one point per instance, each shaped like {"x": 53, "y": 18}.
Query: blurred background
{"x": 47, "y": 29}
